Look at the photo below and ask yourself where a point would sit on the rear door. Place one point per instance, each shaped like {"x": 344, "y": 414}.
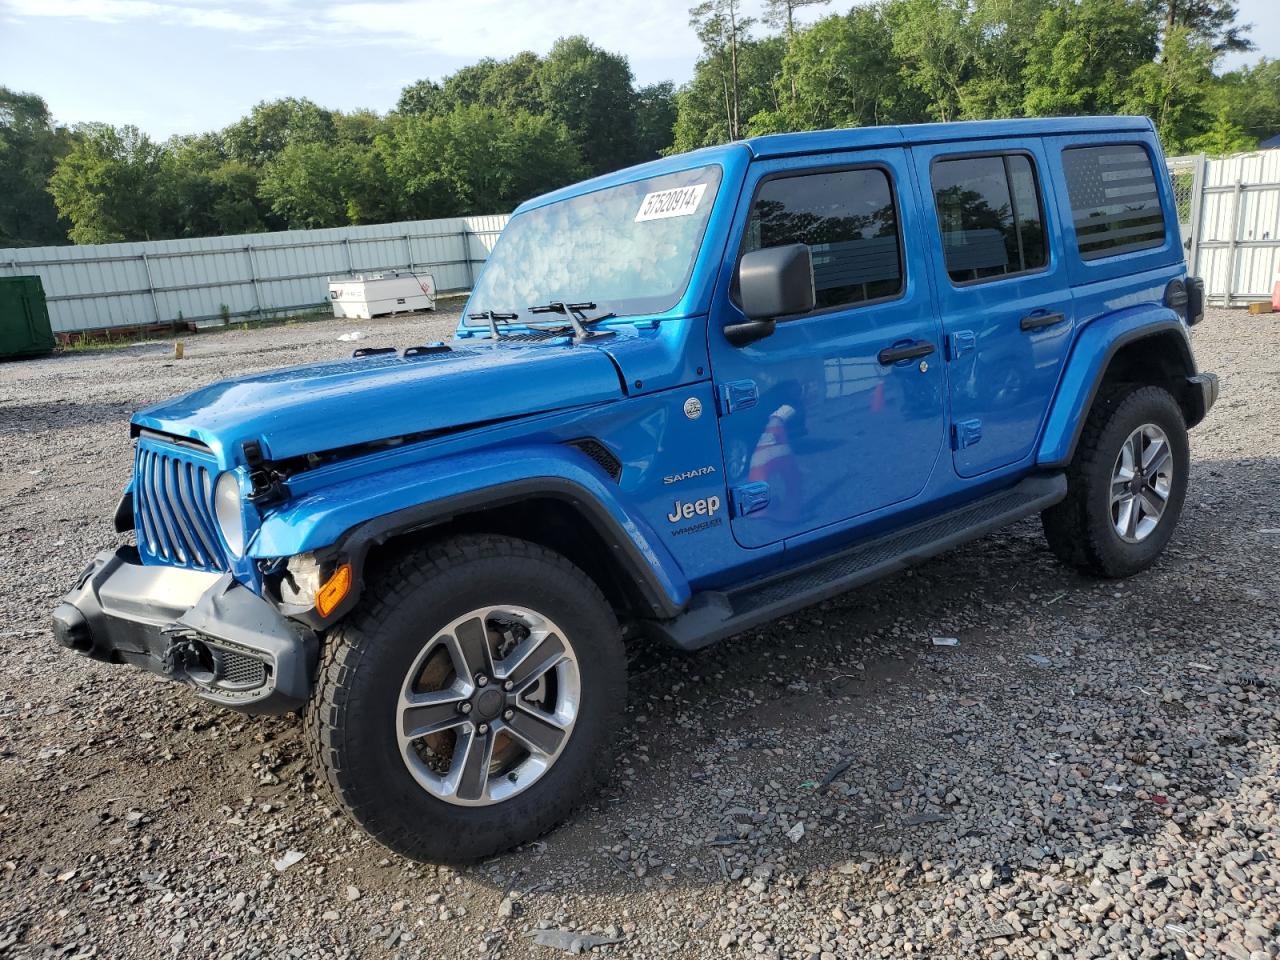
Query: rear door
{"x": 1003, "y": 293}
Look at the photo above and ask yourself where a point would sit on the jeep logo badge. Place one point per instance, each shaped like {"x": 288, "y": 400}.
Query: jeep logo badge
{"x": 693, "y": 408}
{"x": 702, "y": 507}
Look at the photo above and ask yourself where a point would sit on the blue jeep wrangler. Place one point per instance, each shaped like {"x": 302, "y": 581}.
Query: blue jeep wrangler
{"x": 684, "y": 399}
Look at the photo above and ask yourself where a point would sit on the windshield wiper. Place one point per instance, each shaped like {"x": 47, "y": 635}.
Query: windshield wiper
{"x": 494, "y": 317}
{"x": 576, "y": 314}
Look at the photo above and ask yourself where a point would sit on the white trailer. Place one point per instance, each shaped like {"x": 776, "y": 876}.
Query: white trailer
{"x": 362, "y": 296}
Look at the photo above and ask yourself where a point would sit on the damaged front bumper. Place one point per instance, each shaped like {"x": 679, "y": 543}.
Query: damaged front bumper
{"x": 200, "y": 628}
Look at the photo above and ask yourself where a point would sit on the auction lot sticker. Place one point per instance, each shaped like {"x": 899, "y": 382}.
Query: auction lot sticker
{"x": 680, "y": 202}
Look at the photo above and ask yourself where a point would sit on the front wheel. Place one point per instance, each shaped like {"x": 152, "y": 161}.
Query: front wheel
{"x": 1125, "y": 486}
{"x": 469, "y": 702}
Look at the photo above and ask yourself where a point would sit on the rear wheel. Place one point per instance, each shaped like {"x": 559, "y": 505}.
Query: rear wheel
{"x": 1125, "y": 486}
{"x": 469, "y": 702}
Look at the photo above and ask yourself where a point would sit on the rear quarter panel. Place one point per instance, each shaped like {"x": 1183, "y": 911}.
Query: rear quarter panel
{"x": 1117, "y": 299}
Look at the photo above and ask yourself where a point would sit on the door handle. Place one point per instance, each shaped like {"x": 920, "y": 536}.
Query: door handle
{"x": 1034, "y": 321}
{"x": 912, "y": 351}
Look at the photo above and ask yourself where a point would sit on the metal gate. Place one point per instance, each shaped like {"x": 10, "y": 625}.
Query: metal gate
{"x": 1229, "y": 212}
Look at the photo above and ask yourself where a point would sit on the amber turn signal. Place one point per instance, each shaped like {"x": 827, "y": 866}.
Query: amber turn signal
{"x": 334, "y": 591}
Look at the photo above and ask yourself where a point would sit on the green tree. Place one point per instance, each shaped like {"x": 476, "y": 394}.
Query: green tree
{"x": 1208, "y": 21}
{"x": 308, "y": 185}
{"x": 108, "y": 185}
{"x": 934, "y": 45}
{"x": 703, "y": 106}
{"x": 273, "y": 125}
{"x": 841, "y": 72}
{"x": 781, "y": 14}
{"x": 205, "y": 193}
{"x": 723, "y": 30}
{"x": 422, "y": 96}
{"x": 1224, "y": 136}
{"x": 369, "y": 196}
{"x": 1249, "y": 98}
{"x": 465, "y": 87}
{"x": 511, "y": 84}
{"x": 358, "y": 126}
{"x": 1083, "y": 54}
{"x": 589, "y": 90}
{"x": 1000, "y": 35}
{"x": 236, "y": 205}
{"x": 655, "y": 119}
{"x": 30, "y": 148}
{"x": 475, "y": 160}
{"x": 516, "y": 84}
{"x": 1174, "y": 91}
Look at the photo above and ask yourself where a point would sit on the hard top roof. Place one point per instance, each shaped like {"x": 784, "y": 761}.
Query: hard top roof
{"x": 850, "y": 138}
{"x": 825, "y": 141}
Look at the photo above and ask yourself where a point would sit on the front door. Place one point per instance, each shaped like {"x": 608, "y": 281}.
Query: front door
{"x": 1003, "y": 292}
{"x": 840, "y": 412}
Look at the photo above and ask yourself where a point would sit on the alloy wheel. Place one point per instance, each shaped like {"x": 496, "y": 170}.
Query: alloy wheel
{"x": 1141, "y": 481}
{"x": 488, "y": 705}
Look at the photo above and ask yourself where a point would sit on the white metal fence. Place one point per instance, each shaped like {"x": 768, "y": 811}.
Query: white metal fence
{"x": 1229, "y": 211}
{"x": 1230, "y": 214}
{"x": 249, "y": 275}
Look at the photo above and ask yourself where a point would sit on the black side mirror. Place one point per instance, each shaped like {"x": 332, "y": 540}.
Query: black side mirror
{"x": 773, "y": 284}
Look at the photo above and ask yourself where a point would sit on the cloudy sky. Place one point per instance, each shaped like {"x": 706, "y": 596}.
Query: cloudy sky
{"x": 173, "y": 66}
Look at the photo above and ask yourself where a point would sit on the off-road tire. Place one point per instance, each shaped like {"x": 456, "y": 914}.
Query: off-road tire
{"x": 351, "y": 717}
{"x": 1079, "y": 528}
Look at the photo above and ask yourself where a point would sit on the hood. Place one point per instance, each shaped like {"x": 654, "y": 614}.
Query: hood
{"x": 325, "y": 406}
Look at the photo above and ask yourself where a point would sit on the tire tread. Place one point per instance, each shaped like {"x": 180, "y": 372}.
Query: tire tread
{"x": 347, "y": 645}
{"x": 1073, "y": 537}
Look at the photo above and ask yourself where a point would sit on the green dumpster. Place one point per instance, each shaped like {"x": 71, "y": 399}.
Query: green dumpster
{"x": 24, "y": 318}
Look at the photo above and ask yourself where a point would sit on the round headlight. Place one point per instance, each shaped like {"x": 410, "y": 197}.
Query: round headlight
{"x": 229, "y": 512}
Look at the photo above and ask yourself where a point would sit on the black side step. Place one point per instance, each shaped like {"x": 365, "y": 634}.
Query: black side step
{"x": 712, "y": 616}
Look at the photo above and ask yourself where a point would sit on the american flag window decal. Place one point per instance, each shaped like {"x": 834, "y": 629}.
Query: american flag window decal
{"x": 1114, "y": 201}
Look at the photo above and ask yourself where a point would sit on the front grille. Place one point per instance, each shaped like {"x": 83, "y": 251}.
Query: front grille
{"x": 173, "y": 506}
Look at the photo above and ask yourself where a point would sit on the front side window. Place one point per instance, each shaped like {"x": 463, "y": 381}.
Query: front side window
{"x": 629, "y": 249}
{"x": 849, "y": 222}
{"x": 990, "y": 216}
{"x": 1114, "y": 202}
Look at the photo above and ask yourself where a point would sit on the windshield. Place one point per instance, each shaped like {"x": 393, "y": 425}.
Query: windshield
{"x": 628, "y": 249}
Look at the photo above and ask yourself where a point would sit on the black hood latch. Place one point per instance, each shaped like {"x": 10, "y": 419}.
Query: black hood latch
{"x": 268, "y": 485}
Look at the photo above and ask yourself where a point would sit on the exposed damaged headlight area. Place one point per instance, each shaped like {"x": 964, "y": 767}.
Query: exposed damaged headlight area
{"x": 301, "y": 580}
{"x": 310, "y": 584}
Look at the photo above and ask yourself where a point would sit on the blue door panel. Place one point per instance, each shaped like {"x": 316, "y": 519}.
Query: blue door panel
{"x": 832, "y": 433}
{"x": 1003, "y": 362}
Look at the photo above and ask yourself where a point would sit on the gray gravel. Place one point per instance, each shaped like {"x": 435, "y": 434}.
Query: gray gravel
{"x": 1091, "y": 771}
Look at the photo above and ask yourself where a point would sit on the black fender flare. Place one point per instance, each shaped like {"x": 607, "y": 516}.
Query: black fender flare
{"x": 661, "y": 593}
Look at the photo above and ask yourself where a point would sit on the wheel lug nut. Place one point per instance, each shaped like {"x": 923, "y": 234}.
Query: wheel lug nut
{"x": 481, "y": 680}
{"x": 464, "y": 707}
{"x": 508, "y": 714}
{"x": 507, "y": 685}
{"x": 483, "y": 728}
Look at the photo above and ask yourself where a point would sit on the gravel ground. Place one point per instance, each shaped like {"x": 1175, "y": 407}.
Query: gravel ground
{"x": 1092, "y": 771}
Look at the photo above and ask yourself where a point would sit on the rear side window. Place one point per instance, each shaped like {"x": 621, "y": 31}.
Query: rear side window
{"x": 850, "y": 223}
{"x": 1114, "y": 202}
{"x": 989, "y": 212}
